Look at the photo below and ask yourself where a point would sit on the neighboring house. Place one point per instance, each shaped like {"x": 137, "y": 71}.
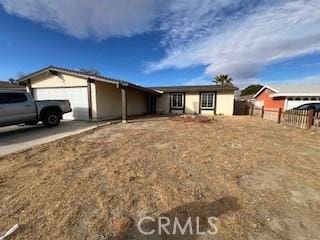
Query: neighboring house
{"x": 95, "y": 97}
{"x": 207, "y": 100}
{"x": 287, "y": 96}
{"x": 10, "y": 86}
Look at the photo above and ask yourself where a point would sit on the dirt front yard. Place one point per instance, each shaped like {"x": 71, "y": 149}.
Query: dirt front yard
{"x": 259, "y": 179}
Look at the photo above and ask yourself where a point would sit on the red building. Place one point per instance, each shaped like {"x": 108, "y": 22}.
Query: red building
{"x": 264, "y": 98}
{"x": 287, "y": 96}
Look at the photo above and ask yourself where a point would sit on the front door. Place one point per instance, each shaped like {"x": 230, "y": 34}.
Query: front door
{"x": 152, "y": 104}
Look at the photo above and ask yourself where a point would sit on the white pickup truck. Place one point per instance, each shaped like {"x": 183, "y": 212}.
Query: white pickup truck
{"x": 17, "y": 107}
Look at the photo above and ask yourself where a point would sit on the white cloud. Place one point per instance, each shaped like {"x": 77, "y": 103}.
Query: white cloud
{"x": 242, "y": 46}
{"x": 238, "y": 37}
{"x": 97, "y": 19}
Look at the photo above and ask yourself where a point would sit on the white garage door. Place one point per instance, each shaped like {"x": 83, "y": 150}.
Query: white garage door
{"x": 296, "y": 103}
{"x": 78, "y": 97}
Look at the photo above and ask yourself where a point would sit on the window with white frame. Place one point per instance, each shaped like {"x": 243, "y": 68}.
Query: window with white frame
{"x": 207, "y": 100}
{"x": 177, "y": 100}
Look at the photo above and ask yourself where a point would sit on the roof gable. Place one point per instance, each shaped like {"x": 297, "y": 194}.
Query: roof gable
{"x": 263, "y": 89}
{"x": 79, "y": 73}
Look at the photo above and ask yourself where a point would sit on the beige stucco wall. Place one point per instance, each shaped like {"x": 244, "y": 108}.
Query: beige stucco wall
{"x": 137, "y": 102}
{"x": 47, "y": 80}
{"x": 108, "y": 101}
{"x": 192, "y": 100}
{"x": 191, "y": 104}
{"x": 207, "y": 112}
{"x": 225, "y": 102}
{"x": 163, "y": 104}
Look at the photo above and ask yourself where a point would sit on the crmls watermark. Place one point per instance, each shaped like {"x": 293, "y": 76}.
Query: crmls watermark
{"x": 174, "y": 226}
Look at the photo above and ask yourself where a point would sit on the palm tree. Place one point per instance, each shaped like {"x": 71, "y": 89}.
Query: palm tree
{"x": 223, "y": 80}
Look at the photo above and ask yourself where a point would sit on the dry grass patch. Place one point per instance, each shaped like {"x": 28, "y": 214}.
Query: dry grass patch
{"x": 259, "y": 179}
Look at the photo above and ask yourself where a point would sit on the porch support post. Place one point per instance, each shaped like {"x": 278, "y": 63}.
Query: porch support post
{"x": 29, "y": 88}
{"x": 215, "y": 102}
{"x": 90, "y": 81}
{"x": 149, "y": 104}
{"x": 124, "y": 104}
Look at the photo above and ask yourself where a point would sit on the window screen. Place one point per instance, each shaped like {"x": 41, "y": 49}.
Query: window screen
{"x": 177, "y": 100}
{"x": 207, "y": 100}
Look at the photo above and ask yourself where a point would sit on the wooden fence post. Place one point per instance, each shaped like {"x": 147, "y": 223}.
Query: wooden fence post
{"x": 262, "y": 111}
{"x": 310, "y": 118}
{"x": 279, "y": 115}
{"x": 252, "y": 108}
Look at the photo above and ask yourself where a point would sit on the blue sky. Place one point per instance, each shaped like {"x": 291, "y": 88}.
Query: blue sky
{"x": 162, "y": 42}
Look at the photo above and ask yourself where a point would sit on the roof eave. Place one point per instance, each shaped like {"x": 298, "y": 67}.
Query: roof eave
{"x": 48, "y": 69}
{"x": 294, "y": 95}
{"x": 196, "y": 88}
{"x": 149, "y": 90}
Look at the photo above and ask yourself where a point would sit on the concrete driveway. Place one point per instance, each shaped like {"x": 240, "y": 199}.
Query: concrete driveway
{"x": 16, "y": 138}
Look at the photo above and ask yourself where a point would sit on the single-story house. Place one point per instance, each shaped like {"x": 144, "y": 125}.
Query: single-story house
{"x": 4, "y": 85}
{"x": 207, "y": 100}
{"x": 95, "y": 97}
{"x": 287, "y": 96}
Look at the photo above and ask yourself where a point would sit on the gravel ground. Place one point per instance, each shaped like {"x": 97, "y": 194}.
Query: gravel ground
{"x": 259, "y": 179}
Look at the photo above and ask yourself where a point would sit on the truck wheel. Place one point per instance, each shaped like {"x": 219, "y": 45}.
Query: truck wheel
{"x": 51, "y": 119}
